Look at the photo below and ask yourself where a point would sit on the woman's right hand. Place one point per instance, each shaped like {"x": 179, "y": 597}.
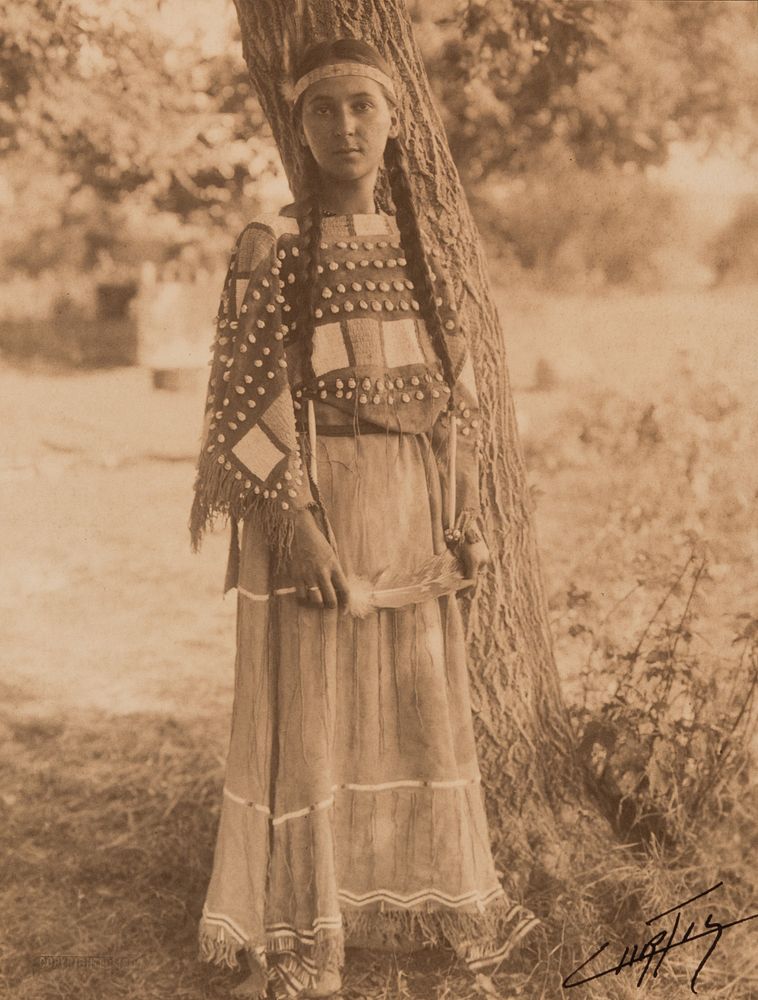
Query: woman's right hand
{"x": 314, "y": 568}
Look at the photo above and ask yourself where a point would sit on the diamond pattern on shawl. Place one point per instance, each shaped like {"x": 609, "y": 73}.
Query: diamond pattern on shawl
{"x": 459, "y": 354}
{"x": 401, "y": 344}
{"x": 258, "y": 452}
{"x": 329, "y": 351}
{"x": 280, "y": 421}
{"x": 251, "y": 253}
{"x": 240, "y": 287}
{"x": 252, "y": 249}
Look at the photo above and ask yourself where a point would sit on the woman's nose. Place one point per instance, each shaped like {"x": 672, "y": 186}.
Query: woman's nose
{"x": 345, "y": 124}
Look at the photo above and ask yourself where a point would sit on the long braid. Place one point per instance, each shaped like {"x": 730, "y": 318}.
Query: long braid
{"x": 396, "y": 163}
{"x": 309, "y": 221}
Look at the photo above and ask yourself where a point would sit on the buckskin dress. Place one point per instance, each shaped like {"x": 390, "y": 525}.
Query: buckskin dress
{"x": 352, "y": 798}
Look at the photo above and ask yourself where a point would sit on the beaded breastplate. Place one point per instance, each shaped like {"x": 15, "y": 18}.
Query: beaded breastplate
{"x": 372, "y": 354}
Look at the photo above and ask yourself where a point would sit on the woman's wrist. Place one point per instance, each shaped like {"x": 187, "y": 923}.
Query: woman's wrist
{"x": 305, "y": 515}
{"x": 473, "y": 532}
{"x": 467, "y": 528}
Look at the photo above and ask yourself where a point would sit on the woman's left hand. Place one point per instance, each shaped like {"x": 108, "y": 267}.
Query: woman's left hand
{"x": 474, "y": 555}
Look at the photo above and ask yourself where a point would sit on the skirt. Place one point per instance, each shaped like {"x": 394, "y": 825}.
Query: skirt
{"x": 352, "y": 803}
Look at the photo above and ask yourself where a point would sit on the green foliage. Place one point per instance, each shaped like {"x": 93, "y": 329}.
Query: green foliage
{"x": 125, "y": 136}
{"x": 577, "y": 229}
{"x": 613, "y": 82}
{"x": 139, "y": 142}
{"x": 554, "y": 108}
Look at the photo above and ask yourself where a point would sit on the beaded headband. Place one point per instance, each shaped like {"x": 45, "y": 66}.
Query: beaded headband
{"x": 354, "y": 68}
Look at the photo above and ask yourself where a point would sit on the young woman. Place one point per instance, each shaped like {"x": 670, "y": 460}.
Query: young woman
{"x": 342, "y": 432}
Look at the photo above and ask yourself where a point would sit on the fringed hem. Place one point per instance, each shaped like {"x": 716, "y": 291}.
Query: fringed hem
{"x": 218, "y": 948}
{"x": 219, "y": 492}
{"x": 482, "y": 939}
{"x": 291, "y": 964}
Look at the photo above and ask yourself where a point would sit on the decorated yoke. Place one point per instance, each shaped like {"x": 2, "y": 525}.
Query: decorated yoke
{"x": 374, "y": 362}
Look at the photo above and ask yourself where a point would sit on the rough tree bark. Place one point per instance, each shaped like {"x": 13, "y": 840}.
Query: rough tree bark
{"x": 522, "y": 727}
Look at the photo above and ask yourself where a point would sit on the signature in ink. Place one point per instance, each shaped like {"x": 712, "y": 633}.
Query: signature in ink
{"x": 660, "y": 944}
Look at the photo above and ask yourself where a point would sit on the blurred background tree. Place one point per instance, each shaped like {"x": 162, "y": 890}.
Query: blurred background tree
{"x": 129, "y": 132}
{"x": 555, "y": 108}
{"x": 613, "y": 82}
{"x": 123, "y": 139}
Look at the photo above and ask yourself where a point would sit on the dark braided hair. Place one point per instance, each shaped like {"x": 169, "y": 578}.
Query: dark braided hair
{"x": 308, "y": 209}
{"x": 309, "y": 223}
{"x": 396, "y": 162}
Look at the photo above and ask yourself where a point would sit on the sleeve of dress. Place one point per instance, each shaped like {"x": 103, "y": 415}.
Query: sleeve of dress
{"x": 250, "y": 465}
{"x": 465, "y": 407}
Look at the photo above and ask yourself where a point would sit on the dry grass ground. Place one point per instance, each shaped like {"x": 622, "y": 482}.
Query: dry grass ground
{"x": 118, "y": 659}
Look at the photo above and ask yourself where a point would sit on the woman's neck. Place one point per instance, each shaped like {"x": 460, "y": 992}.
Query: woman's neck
{"x": 349, "y": 197}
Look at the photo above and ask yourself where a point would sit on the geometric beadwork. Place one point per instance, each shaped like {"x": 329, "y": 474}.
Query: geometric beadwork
{"x": 240, "y": 287}
{"x": 364, "y": 342}
{"x": 401, "y": 343}
{"x": 365, "y": 338}
{"x": 424, "y": 338}
{"x": 329, "y": 351}
{"x": 278, "y": 419}
{"x": 365, "y": 224}
{"x": 258, "y": 452}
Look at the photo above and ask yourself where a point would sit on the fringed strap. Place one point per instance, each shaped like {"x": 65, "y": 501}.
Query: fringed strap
{"x": 452, "y": 533}
{"x": 233, "y": 559}
{"x": 313, "y": 476}
{"x": 312, "y": 442}
{"x": 451, "y": 472}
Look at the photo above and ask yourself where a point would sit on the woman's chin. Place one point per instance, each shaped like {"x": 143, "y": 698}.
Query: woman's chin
{"x": 350, "y": 170}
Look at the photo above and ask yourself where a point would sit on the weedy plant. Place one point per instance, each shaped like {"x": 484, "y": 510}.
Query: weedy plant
{"x": 669, "y": 746}
{"x": 656, "y": 637}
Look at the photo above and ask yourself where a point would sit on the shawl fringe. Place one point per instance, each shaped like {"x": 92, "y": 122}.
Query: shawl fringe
{"x": 217, "y": 493}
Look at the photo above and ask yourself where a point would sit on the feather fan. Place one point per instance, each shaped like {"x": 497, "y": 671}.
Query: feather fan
{"x": 439, "y": 575}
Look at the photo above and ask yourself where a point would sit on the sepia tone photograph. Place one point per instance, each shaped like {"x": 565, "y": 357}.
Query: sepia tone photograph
{"x": 379, "y": 550}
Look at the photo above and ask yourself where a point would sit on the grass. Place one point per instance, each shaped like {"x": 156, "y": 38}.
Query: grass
{"x": 108, "y": 827}
{"x": 109, "y": 824}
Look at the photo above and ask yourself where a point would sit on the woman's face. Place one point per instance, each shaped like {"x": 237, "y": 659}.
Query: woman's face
{"x": 346, "y": 121}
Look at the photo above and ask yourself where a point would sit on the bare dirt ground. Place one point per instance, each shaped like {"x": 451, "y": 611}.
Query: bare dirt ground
{"x": 105, "y": 605}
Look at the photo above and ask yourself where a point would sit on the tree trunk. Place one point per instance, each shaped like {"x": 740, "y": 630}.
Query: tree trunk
{"x": 522, "y": 728}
